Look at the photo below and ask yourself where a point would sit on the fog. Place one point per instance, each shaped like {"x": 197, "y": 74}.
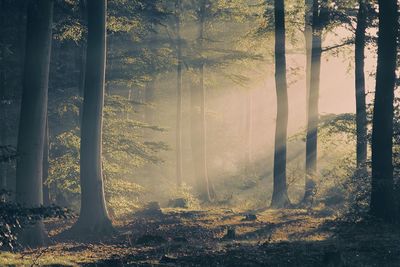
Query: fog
{"x": 229, "y": 140}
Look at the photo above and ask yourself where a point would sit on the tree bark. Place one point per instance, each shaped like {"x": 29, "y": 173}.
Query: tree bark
{"x": 382, "y": 198}
{"x": 194, "y": 132}
{"x": 149, "y": 98}
{"x": 248, "y": 132}
{"x": 3, "y": 105}
{"x": 312, "y": 105}
{"x": 33, "y": 113}
{"x": 198, "y": 120}
{"x": 308, "y": 36}
{"x": 280, "y": 197}
{"x": 178, "y": 95}
{"x": 361, "y": 112}
{"x": 46, "y": 191}
{"x": 93, "y": 216}
{"x": 82, "y": 57}
{"x": 82, "y": 48}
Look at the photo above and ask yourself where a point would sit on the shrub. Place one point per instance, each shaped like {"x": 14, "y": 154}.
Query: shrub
{"x": 14, "y": 217}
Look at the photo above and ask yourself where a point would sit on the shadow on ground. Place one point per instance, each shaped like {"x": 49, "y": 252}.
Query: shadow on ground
{"x": 273, "y": 238}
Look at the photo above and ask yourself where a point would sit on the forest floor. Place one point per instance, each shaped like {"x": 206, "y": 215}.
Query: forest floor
{"x": 177, "y": 237}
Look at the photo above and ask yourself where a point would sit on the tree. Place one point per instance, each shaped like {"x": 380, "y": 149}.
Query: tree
{"x": 81, "y": 53}
{"x": 361, "y": 112}
{"x": 12, "y": 50}
{"x": 82, "y": 48}
{"x": 280, "y": 198}
{"x": 318, "y": 16}
{"x": 178, "y": 8}
{"x": 3, "y": 110}
{"x": 198, "y": 121}
{"x": 32, "y": 124}
{"x": 248, "y": 132}
{"x": 149, "y": 99}
{"x": 46, "y": 148}
{"x": 93, "y": 217}
{"x": 308, "y": 36}
{"x": 382, "y": 198}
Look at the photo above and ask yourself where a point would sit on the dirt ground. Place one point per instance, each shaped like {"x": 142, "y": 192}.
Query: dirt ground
{"x": 224, "y": 237}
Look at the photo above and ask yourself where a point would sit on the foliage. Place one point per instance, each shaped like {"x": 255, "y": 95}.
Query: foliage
{"x": 124, "y": 150}
{"x": 14, "y": 217}
{"x": 357, "y": 190}
{"x": 186, "y": 192}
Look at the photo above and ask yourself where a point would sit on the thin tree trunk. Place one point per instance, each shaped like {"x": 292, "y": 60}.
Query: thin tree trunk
{"x": 33, "y": 113}
{"x": 198, "y": 120}
{"x": 361, "y": 113}
{"x": 82, "y": 54}
{"x": 93, "y": 216}
{"x": 194, "y": 132}
{"x": 382, "y": 198}
{"x": 205, "y": 190}
{"x": 82, "y": 49}
{"x": 129, "y": 99}
{"x": 308, "y": 36}
{"x": 46, "y": 191}
{"x": 280, "y": 198}
{"x": 178, "y": 96}
{"x": 3, "y": 106}
{"x": 312, "y": 107}
{"x": 249, "y": 132}
{"x": 149, "y": 98}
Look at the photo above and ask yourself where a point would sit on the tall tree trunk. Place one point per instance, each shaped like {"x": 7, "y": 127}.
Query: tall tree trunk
{"x": 3, "y": 103}
{"x": 149, "y": 98}
{"x": 312, "y": 105}
{"x": 82, "y": 48}
{"x": 198, "y": 120}
{"x": 194, "y": 133}
{"x": 93, "y": 216}
{"x": 280, "y": 198}
{"x": 308, "y": 37}
{"x": 382, "y": 199}
{"x": 361, "y": 113}
{"x": 46, "y": 191}
{"x": 248, "y": 132}
{"x": 178, "y": 95}
{"x": 82, "y": 57}
{"x": 206, "y": 192}
{"x": 33, "y": 113}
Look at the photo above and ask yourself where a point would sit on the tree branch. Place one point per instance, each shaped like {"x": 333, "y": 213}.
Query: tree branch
{"x": 348, "y": 42}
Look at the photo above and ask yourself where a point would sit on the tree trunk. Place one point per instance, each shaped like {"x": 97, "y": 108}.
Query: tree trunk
{"x": 46, "y": 191}
{"x": 3, "y": 106}
{"x": 194, "y": 132}
{"x": 82, "y": 58}
{"x": 33, "y": 113}
{"x": 198, "y": 120}
{"x": 361, "y": 112}
{"x": 308, "y": 36}
{"x": 149, "y": 98}
{"x": 207, "y": 192}
{"x": 178, "y": 96}
{"x": 382, "y": 199}
{"x": 312, "y": 106}
{"x": 93, "y": 216}
{"x": 280, "y": 197}
{"x": 82, "y": 49}
{"x": 248, "y": 132}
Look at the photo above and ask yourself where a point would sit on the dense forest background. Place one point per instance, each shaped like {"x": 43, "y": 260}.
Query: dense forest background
{"x": 121, "y": 109}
